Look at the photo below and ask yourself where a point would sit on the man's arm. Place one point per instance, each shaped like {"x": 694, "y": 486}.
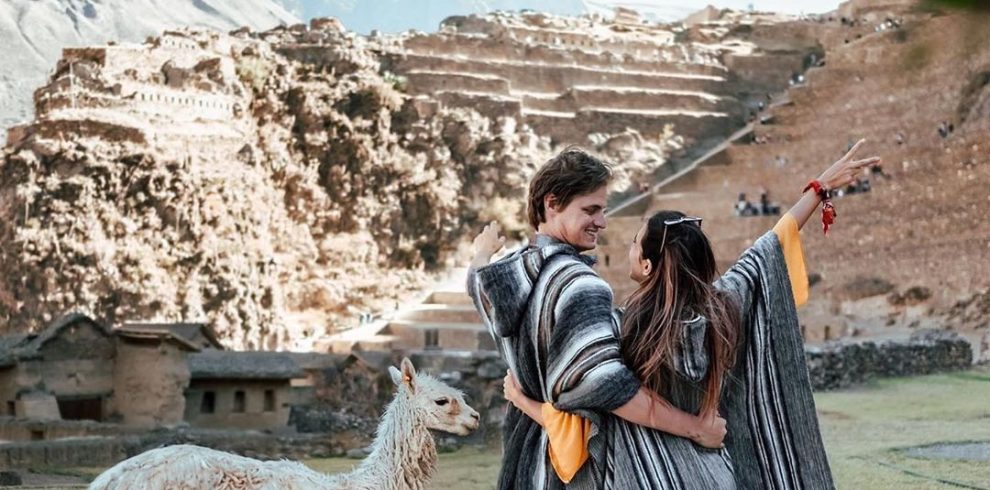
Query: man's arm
{"x": 645, "y": 408}
{"x": 587, "y": 370}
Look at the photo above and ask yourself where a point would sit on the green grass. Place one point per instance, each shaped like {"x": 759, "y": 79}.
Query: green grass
{"x": 863, "y": 430}
{"x": 469, "y": 468}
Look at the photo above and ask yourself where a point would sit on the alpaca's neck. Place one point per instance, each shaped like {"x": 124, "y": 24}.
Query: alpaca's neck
{"x": 403, "y": 449}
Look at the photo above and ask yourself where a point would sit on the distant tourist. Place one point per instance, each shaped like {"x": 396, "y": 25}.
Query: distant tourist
{"x": 766, "y": 207}
{"x": 943, "y": 130}
{"x": 899, "y": 138}
{"x": 878, "y": 171}
{"x": 744, "y": 207}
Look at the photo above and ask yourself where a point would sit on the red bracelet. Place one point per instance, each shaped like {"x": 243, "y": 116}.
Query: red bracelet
{"x": 828, "y": 210}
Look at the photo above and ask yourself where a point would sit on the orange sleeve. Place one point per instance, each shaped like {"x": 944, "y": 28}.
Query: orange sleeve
{"x": 568, "y": 436}
{"x": 790, "y": 241}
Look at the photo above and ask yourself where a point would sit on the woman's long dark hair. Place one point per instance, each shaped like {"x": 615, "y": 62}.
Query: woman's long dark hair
{"x": 679, "y": 287}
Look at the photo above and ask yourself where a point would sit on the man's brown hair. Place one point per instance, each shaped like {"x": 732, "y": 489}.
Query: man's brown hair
{"x": 572, "y": 173}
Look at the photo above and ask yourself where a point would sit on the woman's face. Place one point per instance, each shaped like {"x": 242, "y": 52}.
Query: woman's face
{"x": 639, "y": 268}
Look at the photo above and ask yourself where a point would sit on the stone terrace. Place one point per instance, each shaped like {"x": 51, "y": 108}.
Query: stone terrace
{"x": 569, "y": 77}
{"x": 922, "y": 227}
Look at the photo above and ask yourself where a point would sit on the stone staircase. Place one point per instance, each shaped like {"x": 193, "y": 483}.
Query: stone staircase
{"x": 444, "y": 320}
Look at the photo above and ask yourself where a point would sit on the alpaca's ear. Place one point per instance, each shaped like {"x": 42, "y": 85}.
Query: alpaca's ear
{"x": 408, "y": 373}
{"x": 396, "y": 375}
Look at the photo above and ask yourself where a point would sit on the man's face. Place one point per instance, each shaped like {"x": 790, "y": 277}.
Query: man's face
{"x": 579, "y": 223}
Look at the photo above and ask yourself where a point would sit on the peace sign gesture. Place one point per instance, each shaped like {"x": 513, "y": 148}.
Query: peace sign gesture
{"x": 845, "y": 171}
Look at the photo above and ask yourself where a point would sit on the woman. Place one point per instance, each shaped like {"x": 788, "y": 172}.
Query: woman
{"x": 703, "y": 342}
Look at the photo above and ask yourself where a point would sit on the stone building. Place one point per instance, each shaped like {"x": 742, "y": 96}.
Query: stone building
{"x": 142, "y": 375}
{"x": 240, "y": 390}
{"x": 77, "y": 369}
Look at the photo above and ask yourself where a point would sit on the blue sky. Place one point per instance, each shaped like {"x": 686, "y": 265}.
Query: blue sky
{"x": 399, "y": 15}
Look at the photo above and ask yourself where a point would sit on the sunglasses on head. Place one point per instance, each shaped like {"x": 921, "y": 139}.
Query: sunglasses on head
{"x": 676, "y": 221}
{"x": 682, "y": 219}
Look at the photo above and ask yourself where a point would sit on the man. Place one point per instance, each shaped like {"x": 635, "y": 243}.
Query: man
{"x": 555, "y": 329}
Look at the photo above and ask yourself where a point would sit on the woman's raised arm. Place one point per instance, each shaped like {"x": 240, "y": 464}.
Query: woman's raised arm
{"x": 840, "y": 174}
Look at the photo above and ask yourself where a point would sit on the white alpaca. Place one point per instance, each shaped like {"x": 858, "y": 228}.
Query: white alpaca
{"x": 403, "y": 454}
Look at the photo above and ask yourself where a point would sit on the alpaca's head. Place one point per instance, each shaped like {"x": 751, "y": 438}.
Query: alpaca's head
{"x": 439, "y": 406}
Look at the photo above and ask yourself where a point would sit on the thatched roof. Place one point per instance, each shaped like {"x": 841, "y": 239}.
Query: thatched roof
{"x": 25, "y": 346}
{"x": 199, "y": 334}
{"x": 155, "y": 336}
{"x": 211, "y": 364}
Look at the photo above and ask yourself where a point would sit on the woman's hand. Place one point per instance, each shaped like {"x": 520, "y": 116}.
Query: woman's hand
{"x": 513, "y": 394}
{"x": 487, "y": 244}
{"x": 711, "y": 431}
{"x": 846, "y": 170}
{"x": 839, "y": 175}
{"x": 512, "y": 391}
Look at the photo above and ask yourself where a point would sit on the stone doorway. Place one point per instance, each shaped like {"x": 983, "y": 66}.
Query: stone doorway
{"x": 81, "y": 408}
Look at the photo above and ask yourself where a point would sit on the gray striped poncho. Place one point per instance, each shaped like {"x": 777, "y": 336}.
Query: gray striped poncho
{"x": 773, "y": 440}
{"x": 577, "y": 367}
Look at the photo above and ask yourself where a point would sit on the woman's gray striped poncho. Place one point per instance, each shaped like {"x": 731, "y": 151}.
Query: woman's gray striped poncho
{"x": 773, "y": 440}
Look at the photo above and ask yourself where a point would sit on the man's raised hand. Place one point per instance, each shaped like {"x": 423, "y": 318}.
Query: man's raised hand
{"x": 487, "y": 244}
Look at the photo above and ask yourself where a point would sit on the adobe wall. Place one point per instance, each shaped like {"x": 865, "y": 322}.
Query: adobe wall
{"x": 79, "y": 362}
{"x": 11, "y": 381}
{"x": 254, "y": 415}
{"x": 148, "y": 384}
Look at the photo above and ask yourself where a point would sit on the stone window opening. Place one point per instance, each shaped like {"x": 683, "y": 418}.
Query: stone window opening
{"x": 209, "y": 402}
{"x": 240, "y": 401}
{"x": 269, "y": 400}
{"x": 11, "y": 408}
{"x": 431, "y": 339}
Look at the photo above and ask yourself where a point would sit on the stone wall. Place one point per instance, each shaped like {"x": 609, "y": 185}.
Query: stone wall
{"x": 574, "y": 127}
{"x": 356, "y": 389}
{"x": 149, "y": 401}
{"x": 531, "y": 76}
{"x": 842, "y": 364}
{"x": 264, "y": 403}
{"x": 107, "y": 451}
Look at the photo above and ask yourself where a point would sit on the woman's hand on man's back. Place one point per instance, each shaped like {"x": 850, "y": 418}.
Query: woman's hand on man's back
{"x": 711, "y": 431}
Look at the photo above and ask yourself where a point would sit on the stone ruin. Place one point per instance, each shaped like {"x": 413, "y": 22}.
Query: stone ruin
{"x": 279, "y": 184}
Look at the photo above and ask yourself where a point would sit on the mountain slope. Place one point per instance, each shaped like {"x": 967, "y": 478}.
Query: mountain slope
{"x": 33, "y": 33}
